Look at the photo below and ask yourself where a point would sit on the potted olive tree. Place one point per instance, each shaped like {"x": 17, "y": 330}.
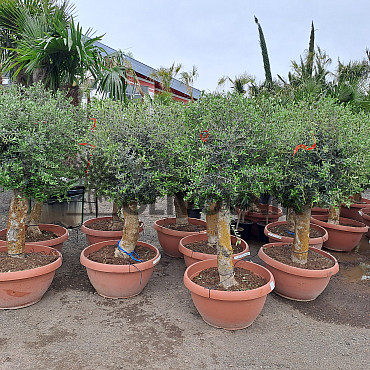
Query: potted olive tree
{"x": 124, "y": 167}
{"x": 320, "y": 162}
{"x": 39, "y": 135}
{"x": 228, "y": 293}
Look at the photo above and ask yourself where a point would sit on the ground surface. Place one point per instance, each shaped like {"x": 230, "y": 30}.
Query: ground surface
{"x": 74, "y": 328}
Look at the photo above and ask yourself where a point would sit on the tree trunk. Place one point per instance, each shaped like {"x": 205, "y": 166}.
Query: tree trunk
{"x": 130, "y": 229}
{"x": 334, "y": 214}
{"x": 290, "y": 219}
{"x": 212, "y": 222}
{"x": 180, "y": 210}
{"x": 115, "y": 218}
{"x": 33, "y": 229}
{"x": 225, "y": 262}
{"x": 16, "y": 229}
{"x": 301, "y": 236}
{"x": 357, "y": 197}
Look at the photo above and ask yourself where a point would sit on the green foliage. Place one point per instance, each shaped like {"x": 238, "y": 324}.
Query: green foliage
{"x": 166, "y": 75}
{"x": 39, "y": 136}
{"x": 265, "y": 57}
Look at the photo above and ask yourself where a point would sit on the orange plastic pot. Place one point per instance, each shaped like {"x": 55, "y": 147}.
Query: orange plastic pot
{"x": 365, "y": 214}
{"x": 56, "y": 243}
{"x": 296, "y": 283}
{"x": 23, "y": 288}
{"x": 169, "y": 239}
{"x": 352, "y": 211}
{"x": 96, "y": 236}
{"x": 118, "y": 281}
{"x": 191, "y": 257}
{"x": 224, "y": 309}
{"x": 341, "y": 238}
{"x": 313, "y": 242}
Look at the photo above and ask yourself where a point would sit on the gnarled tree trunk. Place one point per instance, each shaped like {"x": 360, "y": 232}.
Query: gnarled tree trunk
{"x": 115, "y": 218}
{"x": 33, "y": 229}
{"x": 16, "y": 229}
{"x": 130, "y": 234}
{"x": 212, "y": 222}
{"x": 301, "y": 236}
{"x": 180, "y": 210}
{"x": 225, "y": 262}
{"x": 290, "y": 219}
{"x": 334, "y": 214}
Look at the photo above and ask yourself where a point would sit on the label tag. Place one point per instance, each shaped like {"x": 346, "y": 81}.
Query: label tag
{"x": 242, "y": 255}
{"x": 360, "y": 212}
{"x": 274, "y": 235}
{"x": 156, "y": 260}
{"x": 272, "y": 285}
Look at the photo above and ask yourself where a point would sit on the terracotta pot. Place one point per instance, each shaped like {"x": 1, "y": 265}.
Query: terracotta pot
{"x": 191, "y": 257}
{"x": 274, "y": 214}
{"x": 118, "y": 281}
{"x": 56, "y": 243}
{"x": 228, "y": 310}
{"x": 319, "y": 211}
{"x": 341, "y": 238}
{"x": 313, "y": 242}
{"x": 365, "y": 214}
{"x": 96, "y": 236}
{"x": 23, "y": 288}
{"x": 169, "y": 239}
{"x": 296, "y": 283}
{"x": 352, "y": 211}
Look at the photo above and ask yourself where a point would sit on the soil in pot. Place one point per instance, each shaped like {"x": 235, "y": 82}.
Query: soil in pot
{"x": 30, "y": 261}
{"x": 106, "y": 225}
{"x": 209, "y": 278}
{"x": 187, "y": 228}
{"x": 202, "y": 246}
{"x": 45, "y": 235}
{"x": 282, "y": 230}
{"x": 315, "y": 261}
{"x": 106, "y": 255}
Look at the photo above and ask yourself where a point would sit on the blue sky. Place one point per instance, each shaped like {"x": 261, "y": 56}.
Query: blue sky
{"x": 221, "y": 37}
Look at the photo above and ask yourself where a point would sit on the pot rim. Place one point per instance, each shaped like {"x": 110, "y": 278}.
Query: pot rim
{"x": 135, "y": 267}
{"x": 89, "y": 231}
{"x": 197, "y": 267}
{"x": 361, "y": 228}
{"x": 194, "y": 221}
{"x": 365, "y": 203}
{"x": 25, "y": 274}
{"x": 365, "y": 213}
{"x": 297, "y": 270}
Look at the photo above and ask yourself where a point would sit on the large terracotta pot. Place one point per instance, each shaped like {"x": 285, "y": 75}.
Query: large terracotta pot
{"x": 23, "y": 288}
{"x": 365, "y": 214}
{"x": 169, "y": 239}
{"x": 313, "y": 242}
{"x": 224, "y": 309}
{"x": 191, "y": 257}
{"x": 352, "y": 211}
{"x": 296, "y": 283}
{"x": 56, "y": 243}
{"x": 96, "y": 236}
{"x": 341, "y": 238}
{"x": 319, "y": 211}
{"x": 274, "y": 214}
{"x": 118, "y": 281}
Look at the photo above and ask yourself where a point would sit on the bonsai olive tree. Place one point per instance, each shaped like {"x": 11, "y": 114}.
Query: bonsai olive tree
{"x": 322, "y": 156}
{"x": 39, "y": 136}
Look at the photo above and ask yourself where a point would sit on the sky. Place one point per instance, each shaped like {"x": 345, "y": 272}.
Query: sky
{"x": 221, "y": 37}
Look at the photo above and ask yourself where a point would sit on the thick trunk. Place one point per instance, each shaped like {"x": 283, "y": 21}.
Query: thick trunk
{"x": 357, "y": 197}
{"x": 130, "y": 234}
{"x": 115, "y": 218}
{"x": 16, "y": 229}
{"x": 334, "y": 214}
{"x": 225, "y": 263}
{"x": 290, "y": 219}
{"x": 180, "y": 210}
{"x": 33, "y": 229}
{"x": 212, "y": 221}
{"x": 253, "y": 207}
{"x": 301, "y": 236}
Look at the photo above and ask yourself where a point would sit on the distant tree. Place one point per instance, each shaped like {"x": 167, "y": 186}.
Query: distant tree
{"x": 188, "y": 79}
{"x": 239, "y": 83}
{"x": 265, "y": 57}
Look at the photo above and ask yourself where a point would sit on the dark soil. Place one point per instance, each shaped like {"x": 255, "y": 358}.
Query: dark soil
{"x": 203, "y": 247}
{"x": 106, "y": 255}
{"x": 247, "y": 280}
{"x": 315, "y": 261}
{"x": 190, "y": 227}
{"x": 28, "y": 262}
{"x": 45, "y": 235}
{"x": 106, "y": 225}
{"x": 282, "y": 230}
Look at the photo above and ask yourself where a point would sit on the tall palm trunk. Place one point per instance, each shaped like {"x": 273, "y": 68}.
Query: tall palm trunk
{"x": 225, "y": 262}
{"x": 16, "y": 229}
{"x": 301, "y": 236}
{"x": 33, "y": 229}
{"x": 180, "y": 210}
{"x": 130, "y": 234}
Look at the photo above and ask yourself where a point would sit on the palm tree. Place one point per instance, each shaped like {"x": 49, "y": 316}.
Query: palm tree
{"x": 165, "y": 76}
{"x": 188, "y": 79}
{"x": 238, "y": 83}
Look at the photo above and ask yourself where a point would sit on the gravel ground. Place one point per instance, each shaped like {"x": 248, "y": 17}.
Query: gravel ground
{"x": 72, "y": 327}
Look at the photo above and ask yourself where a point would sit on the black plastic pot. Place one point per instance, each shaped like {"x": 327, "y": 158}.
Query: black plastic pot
{"x": 194, "y": 212}
{"x": 261, "y": 235}
{"x": 247, "y": 226}
{"x": 265, "y": 198}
